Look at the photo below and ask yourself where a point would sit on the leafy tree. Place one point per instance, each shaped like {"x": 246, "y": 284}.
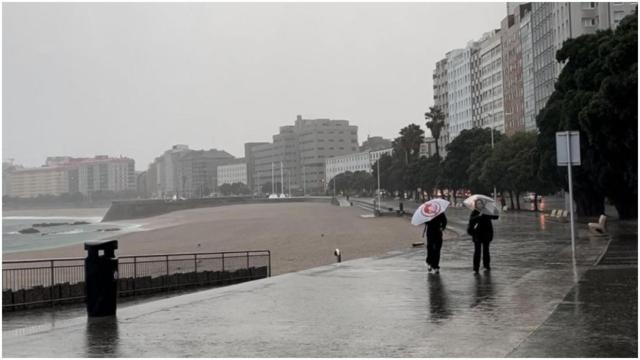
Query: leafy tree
{"x": 385, "y": 172}
{"x": 225, "y": 189}
{"x": 597, "y": 95}
{"x": 407, "y": 146}
{"x": 429, "y": 175}
{"x": 267, "y": 189}
{"x": 350, "y": 183}
{"x": 435, "y": 124}
{"x": 459, "y": 156}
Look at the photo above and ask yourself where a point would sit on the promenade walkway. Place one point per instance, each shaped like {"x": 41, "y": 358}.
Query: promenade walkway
{"x": 534, "y": 302}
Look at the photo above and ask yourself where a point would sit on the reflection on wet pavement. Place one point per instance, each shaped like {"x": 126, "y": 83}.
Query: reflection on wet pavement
{"x": 376, "y": 307}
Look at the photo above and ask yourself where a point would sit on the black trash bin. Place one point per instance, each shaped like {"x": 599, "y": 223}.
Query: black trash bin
{"x": 101, "y": 277}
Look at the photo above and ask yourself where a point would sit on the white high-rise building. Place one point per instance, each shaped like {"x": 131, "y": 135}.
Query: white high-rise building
{"x": 29, "y": 183}
{"x": 459, "y": 90}
{"x": 491, "y": 94}
{"x": 362, "y": 161}
{"x": 553, "y": 23}
{"x": 441, "y": 101}
{"x": 526, "y": 42}
{"x": 232, "y": 173}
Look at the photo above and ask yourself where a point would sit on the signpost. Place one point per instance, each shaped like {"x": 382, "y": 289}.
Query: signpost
{"x": 568, "y": 154}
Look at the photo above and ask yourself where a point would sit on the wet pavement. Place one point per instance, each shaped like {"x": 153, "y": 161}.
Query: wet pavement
{"x": 534, "y": 302}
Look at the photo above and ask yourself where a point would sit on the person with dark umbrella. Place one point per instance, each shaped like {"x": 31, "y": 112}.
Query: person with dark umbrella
{"x": 481, "y": 231}
{"x": 433, "y": 230}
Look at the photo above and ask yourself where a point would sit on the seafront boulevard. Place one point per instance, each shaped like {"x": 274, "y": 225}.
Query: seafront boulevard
{"x": 533, "y": 303}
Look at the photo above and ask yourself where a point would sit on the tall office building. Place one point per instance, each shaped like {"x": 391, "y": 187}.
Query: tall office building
{"x": 441, "y": 101}
{"x": 459, "y": 90}
{"x": 65, "y": 174}
{"x": 187, "y": 173}
{"x": 553, "y": 23}
{"x": 512, "y": 69}
{"x": 526, "y": 44}
{"x": 491, "y": 81}
{"x": 298, "y": 153}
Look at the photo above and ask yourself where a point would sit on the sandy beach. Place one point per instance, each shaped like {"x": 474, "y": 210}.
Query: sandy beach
{"x": 299, "y": 235}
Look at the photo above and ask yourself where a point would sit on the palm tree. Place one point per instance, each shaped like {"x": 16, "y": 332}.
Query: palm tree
{"x": 436, "y": 124}
{"x": 407, "y": 145}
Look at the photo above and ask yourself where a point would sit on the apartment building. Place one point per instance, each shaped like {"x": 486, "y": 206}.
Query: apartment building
{"x": 302, "y": 149}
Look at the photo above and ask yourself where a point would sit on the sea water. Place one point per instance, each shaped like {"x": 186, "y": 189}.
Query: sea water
{"x": 57, "y": 236}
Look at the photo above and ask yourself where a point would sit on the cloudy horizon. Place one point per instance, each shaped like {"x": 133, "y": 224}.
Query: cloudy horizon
{"x": 135, "y": 79}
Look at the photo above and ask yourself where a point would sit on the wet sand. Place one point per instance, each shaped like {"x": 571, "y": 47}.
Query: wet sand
{"x": 299, "y": 235}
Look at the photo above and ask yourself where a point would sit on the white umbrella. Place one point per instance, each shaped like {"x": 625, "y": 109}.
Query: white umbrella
{"x": 489, "y": 205}
{"x": 429, "y": 210}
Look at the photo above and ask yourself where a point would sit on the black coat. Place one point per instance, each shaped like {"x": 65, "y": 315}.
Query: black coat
{"x": 480, "y": 226}
{"x": 435, "y": 227}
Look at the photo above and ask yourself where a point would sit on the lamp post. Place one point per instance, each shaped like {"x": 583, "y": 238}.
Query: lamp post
{"x": 494, "y": 186}
{"x": 304, "y": 181}
{"x": 378, "y": 173}
{"x": 334, "y": 186}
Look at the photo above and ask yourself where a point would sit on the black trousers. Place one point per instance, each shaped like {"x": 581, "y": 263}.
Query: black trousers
{"x": 433, "y": 252}
{"x": 481, "y": 247}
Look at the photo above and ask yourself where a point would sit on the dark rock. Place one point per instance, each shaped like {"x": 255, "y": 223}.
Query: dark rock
{"x": 109, "y": 229}
{"x": 29, "y": 231}
{"x": 50, "y": 224}
{"x": 80, "y": 223}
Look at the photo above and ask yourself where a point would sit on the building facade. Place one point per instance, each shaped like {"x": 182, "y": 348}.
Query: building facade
{"x": 491, "y": 82}
{"x": 459, "y": 90}
{"x": 65, "y": 174}
{"x": 103, "y": 174}
{"x": 232, "y": 173}
{"x": 30, "y": 183}
{"x": 362, "y": 161}
{"x": 441, "y": 100}
{"x": 187, "y": 173}
{"x": 512, "y": 65}
{"x": 526, "y": 43}
{"x": 553, "y": 23}
{"x": 302, "y": 149}
{"x": 352, "y": 162}
{"x": 375, "y": 143}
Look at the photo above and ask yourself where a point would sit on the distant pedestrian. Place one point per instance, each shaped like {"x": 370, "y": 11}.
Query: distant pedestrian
{"x": 481, "y": 231}
{"x": 433, "y": 230}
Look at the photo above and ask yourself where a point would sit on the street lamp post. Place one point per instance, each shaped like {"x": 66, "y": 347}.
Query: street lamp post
{"x": 494, "y": 186}
{"x": 304, "y": 181}
{"x": 378, "y": 173}
{"x": 334, "y": 186}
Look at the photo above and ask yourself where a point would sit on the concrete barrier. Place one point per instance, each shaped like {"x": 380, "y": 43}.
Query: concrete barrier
{"x": 137, "y": 209}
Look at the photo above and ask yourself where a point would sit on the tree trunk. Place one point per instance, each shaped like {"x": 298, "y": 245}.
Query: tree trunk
{"x": 511, "y": 198}
{"x": 627, "y": 208}
{"x": 535, "y": 202}
{"x": 588, "y": 205}
{"x": 518, "y": 200}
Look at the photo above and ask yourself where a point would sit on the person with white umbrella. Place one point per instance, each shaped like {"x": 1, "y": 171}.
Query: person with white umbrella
{"x": 431, "y": 213}
{"x": 481, "y": 229}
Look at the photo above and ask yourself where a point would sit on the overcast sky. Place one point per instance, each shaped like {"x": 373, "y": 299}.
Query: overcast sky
{"x": 134, "y": 79}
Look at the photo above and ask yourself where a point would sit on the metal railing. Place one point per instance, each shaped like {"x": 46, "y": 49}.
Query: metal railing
{"x": 30, "y": 282}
